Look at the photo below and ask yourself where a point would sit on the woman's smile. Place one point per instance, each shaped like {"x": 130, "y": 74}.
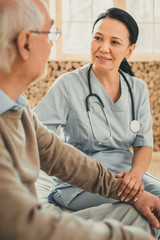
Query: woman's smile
{"x": 103, "y": 59}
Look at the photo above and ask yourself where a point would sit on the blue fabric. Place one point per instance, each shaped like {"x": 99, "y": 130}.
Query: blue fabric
{"x": 64, "y": 105}
{"x": 81, "y": 199}
{"x": 6, "y": 103}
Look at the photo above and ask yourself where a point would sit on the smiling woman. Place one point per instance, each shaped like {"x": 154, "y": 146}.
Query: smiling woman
{"x": 110, "y": 45}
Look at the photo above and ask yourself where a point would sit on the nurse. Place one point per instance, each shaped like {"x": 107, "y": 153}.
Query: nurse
{"x": 106, "y": 135}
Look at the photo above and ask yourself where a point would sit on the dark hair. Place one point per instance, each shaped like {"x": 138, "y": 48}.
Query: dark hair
{"x": 131, "y": 25}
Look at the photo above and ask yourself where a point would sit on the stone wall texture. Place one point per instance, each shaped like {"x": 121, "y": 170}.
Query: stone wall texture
{"x": 147, "y": 71}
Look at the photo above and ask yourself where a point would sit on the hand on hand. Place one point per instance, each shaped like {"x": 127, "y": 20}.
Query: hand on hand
{"x": 152, "y": 238}
{"x": 131, "y": 186}
{"x": 149, "y": 206}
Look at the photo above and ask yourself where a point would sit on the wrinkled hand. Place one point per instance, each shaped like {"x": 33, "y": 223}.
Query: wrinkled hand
{"x": 152, "y": 238}
{"x": 131, "y": 186}
{"x": 149, "y": 206}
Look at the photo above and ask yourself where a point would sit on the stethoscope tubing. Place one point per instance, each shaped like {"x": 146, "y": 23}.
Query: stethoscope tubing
{"x": 130, "y": 91}
{"x": 134, "y": 125}
{"x": 91, "y": 94}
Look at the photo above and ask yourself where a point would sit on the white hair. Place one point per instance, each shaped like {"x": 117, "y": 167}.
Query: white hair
{"x": 15, "y": 16}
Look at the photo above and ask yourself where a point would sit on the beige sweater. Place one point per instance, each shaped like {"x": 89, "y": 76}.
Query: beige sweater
{"x": 25, "y": 146}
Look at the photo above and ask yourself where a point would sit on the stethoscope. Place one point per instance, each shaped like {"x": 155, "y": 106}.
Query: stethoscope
{"x": 134, "y": 125}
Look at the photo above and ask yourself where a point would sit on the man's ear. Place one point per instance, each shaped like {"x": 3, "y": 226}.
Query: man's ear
{"x": 23, "y": 44}
{"x": 130, "y": 50}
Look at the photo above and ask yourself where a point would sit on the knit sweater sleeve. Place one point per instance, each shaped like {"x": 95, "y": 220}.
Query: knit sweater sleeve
{"x": 22, "y": 217}
{"x": 72, "y": 166}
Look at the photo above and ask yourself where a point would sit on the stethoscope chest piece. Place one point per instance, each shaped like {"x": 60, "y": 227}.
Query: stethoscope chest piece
{"x": 135, "y": 126}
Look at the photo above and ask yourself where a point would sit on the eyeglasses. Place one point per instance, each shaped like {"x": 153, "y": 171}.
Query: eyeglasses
{"x": 53, "y": 34}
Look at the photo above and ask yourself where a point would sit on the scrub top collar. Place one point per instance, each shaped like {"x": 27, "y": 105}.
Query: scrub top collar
{"x": 121, "y": 104}
{"x": 6, "y": 103}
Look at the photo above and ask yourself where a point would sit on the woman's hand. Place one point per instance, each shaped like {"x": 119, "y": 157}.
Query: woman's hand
{"x": 131, "y": 186}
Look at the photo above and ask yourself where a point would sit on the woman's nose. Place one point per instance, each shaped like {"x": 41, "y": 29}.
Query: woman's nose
{"x": 105, "y": 48}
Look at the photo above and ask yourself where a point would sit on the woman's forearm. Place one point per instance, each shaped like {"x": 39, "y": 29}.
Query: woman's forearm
{"x": 141, "y": 160}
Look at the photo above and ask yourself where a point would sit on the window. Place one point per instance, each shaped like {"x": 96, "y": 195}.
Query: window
{"x": 146, "y": 13}
{"x": 75, "y": 19}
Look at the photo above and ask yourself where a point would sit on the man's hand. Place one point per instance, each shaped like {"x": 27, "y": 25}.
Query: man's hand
{"x": 149, "y": 206}
{"x": 131, "y": 186}
{"x": 152, "y": 238}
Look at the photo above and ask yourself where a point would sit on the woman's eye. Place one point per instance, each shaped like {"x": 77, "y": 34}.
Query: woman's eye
{"x": 97, "y": 38}
{"x": 115, "y": 42}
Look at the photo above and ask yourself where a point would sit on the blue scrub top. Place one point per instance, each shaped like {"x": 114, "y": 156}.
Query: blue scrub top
{"x": 65, "y": 105}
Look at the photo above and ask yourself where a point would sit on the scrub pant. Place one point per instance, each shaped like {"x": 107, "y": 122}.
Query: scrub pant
{"x": 86, "y": 200}
{"x": 121, "y": 214}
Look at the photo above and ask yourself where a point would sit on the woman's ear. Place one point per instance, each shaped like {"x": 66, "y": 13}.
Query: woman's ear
{"x": 130, "y": 50}
{"x": 23, "y": 44}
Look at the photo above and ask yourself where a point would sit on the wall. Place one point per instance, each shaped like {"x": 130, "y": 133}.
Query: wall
{"x": 147, "y": 71}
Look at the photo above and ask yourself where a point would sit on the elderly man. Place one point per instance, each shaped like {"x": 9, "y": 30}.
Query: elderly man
{"x": 26, "y": 145}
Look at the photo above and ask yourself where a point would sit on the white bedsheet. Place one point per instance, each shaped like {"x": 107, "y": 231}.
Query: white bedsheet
{"x": 124, "y": 213}
{"x": 43, "y": 186}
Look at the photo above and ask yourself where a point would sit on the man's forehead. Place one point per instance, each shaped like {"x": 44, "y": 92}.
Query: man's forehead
{"x": 39, "y": 3}
{"x": 43, "y": 8}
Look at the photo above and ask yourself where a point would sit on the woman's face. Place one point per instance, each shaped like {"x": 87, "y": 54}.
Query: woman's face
{"x": 110, "y": 44}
